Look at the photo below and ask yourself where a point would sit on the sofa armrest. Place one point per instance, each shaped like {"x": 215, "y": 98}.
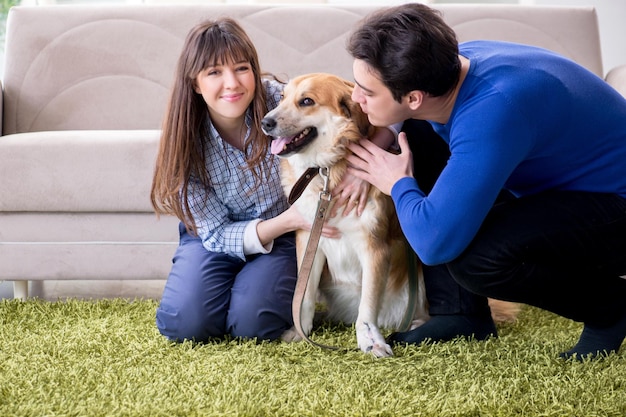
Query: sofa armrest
{"x": 78, "y": 171}
{"x": 617, "y": 79}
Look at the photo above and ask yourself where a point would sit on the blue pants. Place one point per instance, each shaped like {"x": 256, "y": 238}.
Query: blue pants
{"x": 210, "y": 295}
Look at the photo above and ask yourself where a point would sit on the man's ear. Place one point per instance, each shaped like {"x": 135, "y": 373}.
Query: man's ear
{"x": 414, "y": 99}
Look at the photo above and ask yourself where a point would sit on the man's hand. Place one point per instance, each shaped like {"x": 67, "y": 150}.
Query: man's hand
{"x": 351, "y": 193}
{"x": 379, "y": 167}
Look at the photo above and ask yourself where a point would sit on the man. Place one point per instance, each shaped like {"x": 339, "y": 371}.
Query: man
{"x": 515, "y": 118}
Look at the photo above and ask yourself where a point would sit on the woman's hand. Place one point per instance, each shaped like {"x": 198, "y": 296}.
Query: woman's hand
{"x": 380, "y": 168}
{"x": 306, "y": 224}
{"x": 289, "y": 221}
{"x": 350, "y": 193}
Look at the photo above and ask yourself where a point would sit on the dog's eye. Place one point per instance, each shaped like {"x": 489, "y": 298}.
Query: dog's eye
{"x": 306, "y": 102}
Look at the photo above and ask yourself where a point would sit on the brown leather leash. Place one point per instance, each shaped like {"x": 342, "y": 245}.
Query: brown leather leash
{"x": 311, "y": 248}
{"x": 304, "y": 273}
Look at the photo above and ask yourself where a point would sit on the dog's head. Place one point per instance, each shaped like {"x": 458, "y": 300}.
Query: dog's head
{"x": 315, "y": 119}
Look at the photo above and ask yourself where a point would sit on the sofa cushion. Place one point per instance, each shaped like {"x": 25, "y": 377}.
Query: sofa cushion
{"x": 103, "y": 170}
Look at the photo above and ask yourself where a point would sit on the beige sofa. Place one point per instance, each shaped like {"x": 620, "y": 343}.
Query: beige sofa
{"x": 84, "y": 92}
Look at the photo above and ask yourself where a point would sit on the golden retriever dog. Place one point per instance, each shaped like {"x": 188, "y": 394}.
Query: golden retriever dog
{"x": 362, "y": 276}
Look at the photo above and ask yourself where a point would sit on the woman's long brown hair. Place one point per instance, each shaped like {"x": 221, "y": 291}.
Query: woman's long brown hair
{"x": 181, "y": 150}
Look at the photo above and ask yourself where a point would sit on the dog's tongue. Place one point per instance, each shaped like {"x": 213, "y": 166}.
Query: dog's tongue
{"x": 278, "y": 144}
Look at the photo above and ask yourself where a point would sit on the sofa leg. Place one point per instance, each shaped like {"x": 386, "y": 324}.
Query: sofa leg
{"x": 20, "y": 290}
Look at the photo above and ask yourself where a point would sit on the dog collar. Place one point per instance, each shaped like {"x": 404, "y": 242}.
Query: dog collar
{"x": 301, "y": 184}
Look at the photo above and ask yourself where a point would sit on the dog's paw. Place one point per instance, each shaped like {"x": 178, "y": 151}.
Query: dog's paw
{"x": 371, "y": 341}
{"x": 381, "y": 350}
{"x": 290, "y": 335}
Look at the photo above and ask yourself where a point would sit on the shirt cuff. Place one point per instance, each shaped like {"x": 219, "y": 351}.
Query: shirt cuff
{"x": 251, "y": 243}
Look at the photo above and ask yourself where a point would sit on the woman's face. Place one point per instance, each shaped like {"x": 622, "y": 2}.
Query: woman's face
{"x": 227, "y": 89}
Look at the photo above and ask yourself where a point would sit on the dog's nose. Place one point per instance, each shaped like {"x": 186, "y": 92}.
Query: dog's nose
{"x": 268, "y": 124}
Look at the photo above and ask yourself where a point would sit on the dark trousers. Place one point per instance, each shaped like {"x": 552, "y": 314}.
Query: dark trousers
{"x": 430, "y": 155}
{"x": 562, "y": 251}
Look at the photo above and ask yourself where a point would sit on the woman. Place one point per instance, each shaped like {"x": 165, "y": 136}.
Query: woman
{"x": 234, "y": 271}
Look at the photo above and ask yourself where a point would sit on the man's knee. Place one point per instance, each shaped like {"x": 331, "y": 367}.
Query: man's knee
{"x": 473, "y": 274}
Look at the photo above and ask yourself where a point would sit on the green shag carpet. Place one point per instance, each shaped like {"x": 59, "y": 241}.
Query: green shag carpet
{"x": 106, "y": 358}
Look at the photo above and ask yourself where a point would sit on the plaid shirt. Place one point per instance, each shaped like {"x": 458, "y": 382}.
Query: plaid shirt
{"x": 223, "y": 211}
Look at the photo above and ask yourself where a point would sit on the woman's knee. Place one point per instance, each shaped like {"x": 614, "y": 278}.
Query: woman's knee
{"x": 261, "y": 311}
{"x": 261, "y": 298}
{"x": 195, "y": 300}
{"x": 189, "y": 322}
{"x": 257, "y": 321}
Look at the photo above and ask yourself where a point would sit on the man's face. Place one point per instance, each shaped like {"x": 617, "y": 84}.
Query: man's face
{"x": 375, "y": 98}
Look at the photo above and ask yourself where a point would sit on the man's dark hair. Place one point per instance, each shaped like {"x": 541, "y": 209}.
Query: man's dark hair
{"x": 410, "y": 47}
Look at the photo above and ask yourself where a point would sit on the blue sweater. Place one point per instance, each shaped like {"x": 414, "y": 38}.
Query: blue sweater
{"x": 527, "y": 120}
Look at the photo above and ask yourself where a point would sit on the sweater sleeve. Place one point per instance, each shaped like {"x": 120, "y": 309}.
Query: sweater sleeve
{"x": 440, "y": 225}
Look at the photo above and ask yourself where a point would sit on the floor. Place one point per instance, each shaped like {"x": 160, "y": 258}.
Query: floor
{"x": 55, "y": 290}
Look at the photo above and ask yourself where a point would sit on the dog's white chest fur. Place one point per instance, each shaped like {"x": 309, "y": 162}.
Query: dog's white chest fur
{"x": 347, "y": 257}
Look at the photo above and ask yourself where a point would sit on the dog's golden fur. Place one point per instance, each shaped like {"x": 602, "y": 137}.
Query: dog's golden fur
{"x": 367, "y": 275}
{"x": 363, "y": 275}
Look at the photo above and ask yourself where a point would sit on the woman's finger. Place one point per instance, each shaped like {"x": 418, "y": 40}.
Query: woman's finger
{"x": 361, "y": 206}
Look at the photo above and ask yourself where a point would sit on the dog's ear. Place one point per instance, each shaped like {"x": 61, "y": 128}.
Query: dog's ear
{"x": 346, "y": 105}
{"x": 353, "y": 111}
